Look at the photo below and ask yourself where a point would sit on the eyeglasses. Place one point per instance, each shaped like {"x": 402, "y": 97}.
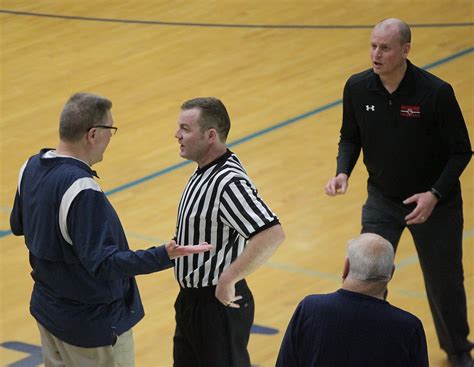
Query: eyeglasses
{"x": 112, "y": 128}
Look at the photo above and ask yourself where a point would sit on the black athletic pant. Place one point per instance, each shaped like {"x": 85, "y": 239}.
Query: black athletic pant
{"x": 209, "y": 334}
{"x": 438, "y": 243}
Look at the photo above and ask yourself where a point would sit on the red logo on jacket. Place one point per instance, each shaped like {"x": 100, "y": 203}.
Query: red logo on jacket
{"x": 410, "y": 111}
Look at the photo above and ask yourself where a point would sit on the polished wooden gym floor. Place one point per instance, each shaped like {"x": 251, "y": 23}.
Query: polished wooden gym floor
{"x": 280, "y": 68}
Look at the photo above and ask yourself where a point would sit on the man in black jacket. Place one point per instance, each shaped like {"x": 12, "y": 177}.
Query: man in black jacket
{"x": 415, "y": 144}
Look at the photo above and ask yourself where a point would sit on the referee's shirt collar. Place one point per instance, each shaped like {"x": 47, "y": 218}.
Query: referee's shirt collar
{"x": 219, "y": 161}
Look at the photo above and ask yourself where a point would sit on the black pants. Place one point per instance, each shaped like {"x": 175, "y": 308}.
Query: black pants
{"x": 209, "y": 334}
{"x": 438, "y": 243}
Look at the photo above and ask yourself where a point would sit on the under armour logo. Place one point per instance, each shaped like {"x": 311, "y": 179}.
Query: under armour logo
{"x": 369, "y": 108}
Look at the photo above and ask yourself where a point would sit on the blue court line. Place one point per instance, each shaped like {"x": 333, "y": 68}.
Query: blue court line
{"x": 448, "y": 58}
{"x": 468, "y": 233}
{"x": 300, "y": 270}
{"x": 263, "y": 330}
{"x": 224, "y": 25}
{"x": 34, "y": 356}
{"x": 230, "y": 145}
{"x": 285, "y": 123}
{"x": 148, "y": 177}
{"x": 4, "y": 233}
{"x": 254, "y": 135}
{"x": 274, "y": 127}
{"x": 408, "y": 261}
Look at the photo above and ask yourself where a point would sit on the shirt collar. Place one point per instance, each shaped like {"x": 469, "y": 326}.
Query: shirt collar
{"x": 407, "y": 85}
{"x": 217, "y": 161}
{"x": 351, "y": 294}
{"x": 50, "y": 155}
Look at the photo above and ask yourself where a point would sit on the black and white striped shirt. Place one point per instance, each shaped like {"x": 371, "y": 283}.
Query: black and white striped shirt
{"x": 219, "y": 205}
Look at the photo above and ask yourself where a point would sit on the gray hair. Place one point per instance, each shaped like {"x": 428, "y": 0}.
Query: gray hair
{"x": 81, "y": 112}
{"x": 370, "y": 258}
{"x": 213, "y": 115}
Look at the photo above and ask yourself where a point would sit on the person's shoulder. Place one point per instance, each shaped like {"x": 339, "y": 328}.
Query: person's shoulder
{"x": 36, "y": 158}
{"x": 358, "y": 78}
{"x": 228, "y": 173}
{"x": 234, "y": 168}
{"x": 75, "y": 176}
{"x": 403, "y": 316}
{"x": 427, "y": 79}
{"x": 73, "y": 171}
{"x": 319, "y": 298}
{"x": 312, "y": 305}
{"x": 60, "y": 168}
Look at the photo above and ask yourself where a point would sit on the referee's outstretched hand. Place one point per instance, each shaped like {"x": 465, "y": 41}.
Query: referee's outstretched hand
{"x": 174, "y": 250}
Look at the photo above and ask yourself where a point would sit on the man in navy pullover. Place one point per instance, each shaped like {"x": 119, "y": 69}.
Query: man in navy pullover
{"x": 355, "y": 326}
{"x": 85, "y": 298}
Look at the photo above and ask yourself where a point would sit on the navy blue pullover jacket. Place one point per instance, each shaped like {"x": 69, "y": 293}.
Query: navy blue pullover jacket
{"x": 84, "y": 288}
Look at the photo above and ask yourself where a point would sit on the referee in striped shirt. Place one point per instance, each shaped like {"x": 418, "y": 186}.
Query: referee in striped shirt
{"x": 220, "y": 205}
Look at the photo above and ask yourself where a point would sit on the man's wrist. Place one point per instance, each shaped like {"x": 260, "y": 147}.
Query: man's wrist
{"x": 226, "y": 277}
{"x": 435, "y": 193}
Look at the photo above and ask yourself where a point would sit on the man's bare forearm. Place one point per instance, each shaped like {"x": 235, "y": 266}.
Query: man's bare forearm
{"x": 257, "y": 251}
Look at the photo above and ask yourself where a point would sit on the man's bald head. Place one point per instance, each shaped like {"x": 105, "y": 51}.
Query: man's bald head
{"x": 402, "y": 28}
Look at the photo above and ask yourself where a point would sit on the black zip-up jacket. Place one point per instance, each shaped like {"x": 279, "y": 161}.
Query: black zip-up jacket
{"x": 412, "y": 140}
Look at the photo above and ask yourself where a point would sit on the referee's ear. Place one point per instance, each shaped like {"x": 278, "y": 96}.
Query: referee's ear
{"x": 213, "y": 136}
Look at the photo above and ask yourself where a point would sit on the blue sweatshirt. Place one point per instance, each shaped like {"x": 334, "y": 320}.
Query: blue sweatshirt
{"x": 344, "y": 328}
{"x": 83, "y": 270}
